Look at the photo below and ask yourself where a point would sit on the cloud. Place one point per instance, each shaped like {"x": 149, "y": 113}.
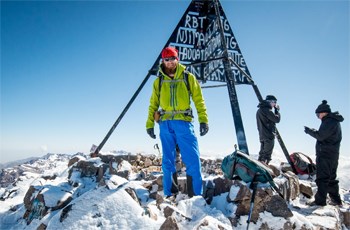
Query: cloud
{"x": 43, "y": 148}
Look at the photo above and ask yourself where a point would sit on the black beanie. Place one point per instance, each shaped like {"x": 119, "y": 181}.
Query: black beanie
{"x": 323, "y": 108}
{"x": 271, "y": 98}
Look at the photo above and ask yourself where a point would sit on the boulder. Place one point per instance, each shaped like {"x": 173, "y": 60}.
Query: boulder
{"x": 277, "y": 206}
{"x": 29, "y": 196}
{"x": 86, "y": 168}
{"x": 73, "y": 160}
{"x": 345, "y": 216}
{"x": 222, "y": 185}
{"x": 264, "y": 200}
{"x": 306, "y": 189}
{"x": 293, "y": 185}
{"x": 169, "y": 224}
{"x": 275, "y": 170}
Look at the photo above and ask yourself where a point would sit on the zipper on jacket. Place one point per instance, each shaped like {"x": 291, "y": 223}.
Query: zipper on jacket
{"x": 172, "y": 96}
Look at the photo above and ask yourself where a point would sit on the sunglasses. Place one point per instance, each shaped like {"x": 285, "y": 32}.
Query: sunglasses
{"x": 169, "y": 59}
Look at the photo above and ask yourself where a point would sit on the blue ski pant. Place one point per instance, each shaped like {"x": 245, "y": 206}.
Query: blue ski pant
{"x": 179, "y": 132}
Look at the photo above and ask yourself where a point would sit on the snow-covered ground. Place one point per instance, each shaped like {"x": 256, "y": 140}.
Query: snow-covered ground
{"x": 101, "y": 208}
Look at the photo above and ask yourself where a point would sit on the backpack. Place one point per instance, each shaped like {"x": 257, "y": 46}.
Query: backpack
{"x": 303, "y": 163}
{"x": 246, "y": 168}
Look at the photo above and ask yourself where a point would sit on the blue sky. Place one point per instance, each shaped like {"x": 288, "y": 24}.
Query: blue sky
{"x": 69, "y": 68}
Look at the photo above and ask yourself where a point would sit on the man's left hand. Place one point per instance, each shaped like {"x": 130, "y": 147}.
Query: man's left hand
{"x": 203, "y": 128}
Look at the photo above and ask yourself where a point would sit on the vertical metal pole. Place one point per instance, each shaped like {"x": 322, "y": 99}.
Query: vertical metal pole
{"x": 241, "y": 138}
{"x": 278, "y": 136}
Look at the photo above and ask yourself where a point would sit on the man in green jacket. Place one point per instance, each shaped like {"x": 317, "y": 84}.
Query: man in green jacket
{"x": 172, "y": 93}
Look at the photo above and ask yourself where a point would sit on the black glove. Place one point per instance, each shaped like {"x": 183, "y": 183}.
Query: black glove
{"x": 150, "y": 132}
{"x": 307, "y": 130}
{"x": 277, "y": 109}
{"x": 203, "y": 128}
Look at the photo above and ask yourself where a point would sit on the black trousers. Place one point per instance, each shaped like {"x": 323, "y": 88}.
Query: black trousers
{"x": 326, "y": 180}
{"x": 266, "y": 147}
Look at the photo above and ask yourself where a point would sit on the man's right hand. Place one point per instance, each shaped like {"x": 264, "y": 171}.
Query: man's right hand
{"x": 277, "y": 109}
{"x": 307, "y": 130}
{"x": 150, "y": 132}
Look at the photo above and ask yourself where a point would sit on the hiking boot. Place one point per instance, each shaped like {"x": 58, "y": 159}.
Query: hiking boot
{"x": 265, "y": 162}
{"x": 314, "y": 203}
{"x": 170, "y": 199}
{"x": 172, "y": 196}
{"x": 335, "y": 203}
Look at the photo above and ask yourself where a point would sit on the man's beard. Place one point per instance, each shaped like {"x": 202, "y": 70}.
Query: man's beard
{"x": 168, "y": 70}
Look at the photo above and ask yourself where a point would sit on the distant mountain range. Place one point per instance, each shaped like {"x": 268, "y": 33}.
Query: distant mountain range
{"x": 17, "y": 162}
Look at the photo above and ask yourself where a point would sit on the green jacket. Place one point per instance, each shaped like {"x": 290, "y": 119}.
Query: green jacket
{"x": 174, "y": 96}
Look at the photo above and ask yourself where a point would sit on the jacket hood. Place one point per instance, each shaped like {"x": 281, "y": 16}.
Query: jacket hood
{"x": 335, "y": 116}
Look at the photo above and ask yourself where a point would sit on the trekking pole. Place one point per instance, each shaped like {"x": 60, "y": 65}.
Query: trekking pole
{"x": 157, "y": 147}
{"x": 252, "y": 186}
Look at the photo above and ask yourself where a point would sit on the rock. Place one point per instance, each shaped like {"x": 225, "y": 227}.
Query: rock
{"x": 222, "y": 185}
{"x": 293, "y": 190}
{"x": 148, "y": 162}
{"x": 122, "y": 169}
{"x": 288, "y": 226}
{"x": 132, "y": 159}
{"x": 42, "y": 226}
{"x": 203, "y": 224}
{"x": 37, "y": 210}
{"x": 264, "y": 201}
{"x": 286, "y": 167}
{"x": 210, "y": 166}
{"x": 275, "y": 170}
{"x": 288, "y": 184}
{"x": 159, "y": 182}
{"x": 101, "y": 171}
{"x": 159, "y": 200}
{"x": 148, "y": 212}
{"x": 264, "y": 226}
{"x": 169, "y": 224}
{"x": 49, "y": 177}
{"x": 306, "y": 189}
{"x": 65, "y": 211}
{"x": 208, "y": 191}
{"x": 73, "y": 160}
{"x": 86, "y": 168}
{"x": 277, "y": 206}
{"x": 168, "y": 211}
{"x": 30, "y": 194}
{"x": 345, "y": 216}
{"x": 133, "y": 194}
{"x": 243, "y": 193}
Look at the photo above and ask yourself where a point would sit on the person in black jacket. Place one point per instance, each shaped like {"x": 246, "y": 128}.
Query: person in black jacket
{"x": 328, "y": 138}
{"x": 266, "y": 117}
